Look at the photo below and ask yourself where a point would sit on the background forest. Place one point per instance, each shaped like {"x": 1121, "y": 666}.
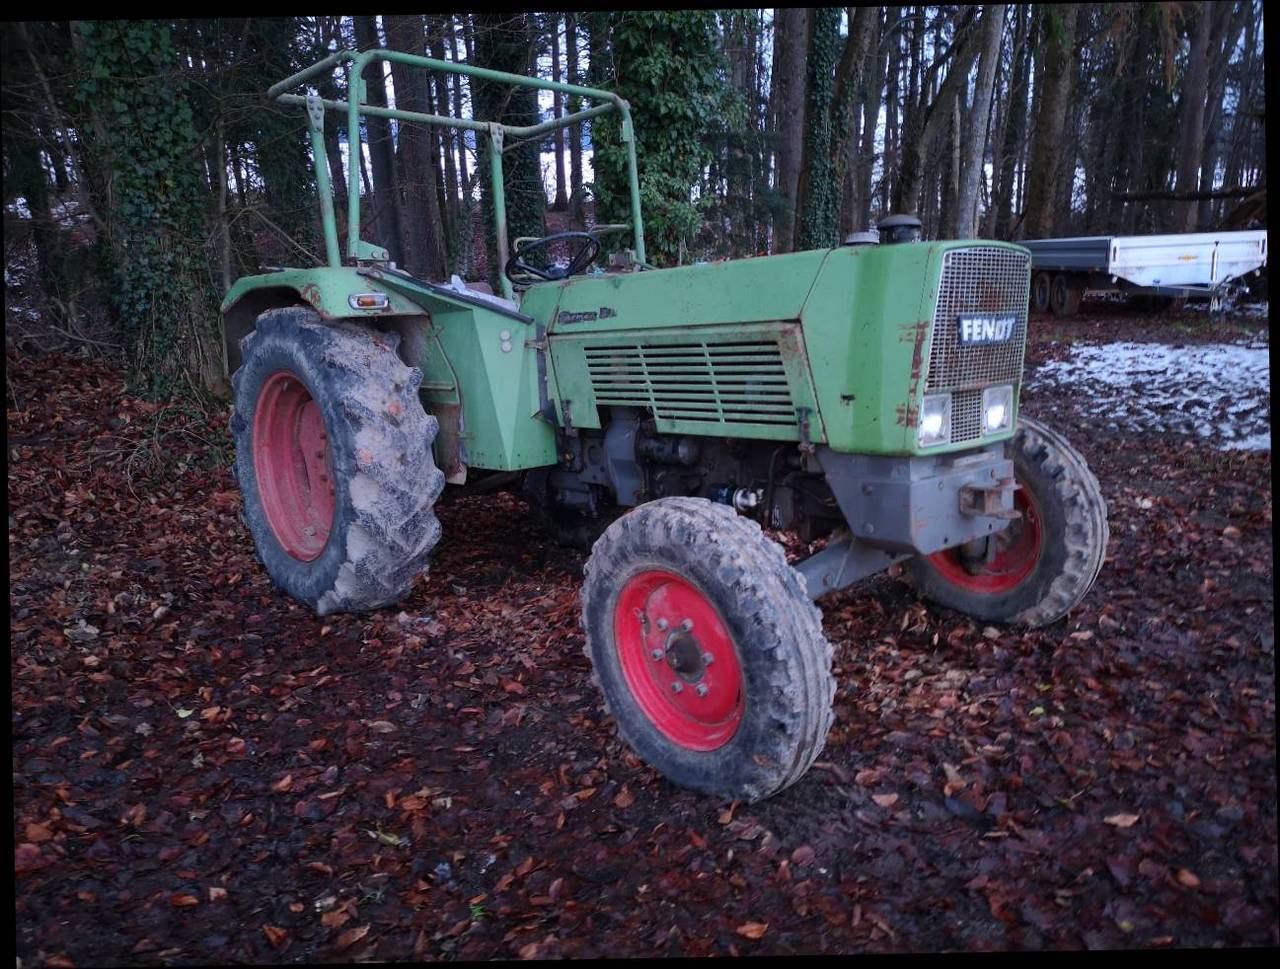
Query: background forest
{"x": 144, "y": 169}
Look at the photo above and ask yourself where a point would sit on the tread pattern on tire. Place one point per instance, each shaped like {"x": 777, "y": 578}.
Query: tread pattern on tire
{"x": 773, "y": 603}
{"x": 392, "y": 480}
{"x": 1085, "y": 534}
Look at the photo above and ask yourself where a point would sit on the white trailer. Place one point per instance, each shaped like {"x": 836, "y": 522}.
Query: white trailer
{"x": 1173, "y": 266}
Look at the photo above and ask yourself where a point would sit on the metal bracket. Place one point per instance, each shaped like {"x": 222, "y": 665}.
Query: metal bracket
{"x": 989, "y": 500}
{"x": 843, "y": 562}
{"x": 802, "y": 416}
{"x": 315, "y": 113}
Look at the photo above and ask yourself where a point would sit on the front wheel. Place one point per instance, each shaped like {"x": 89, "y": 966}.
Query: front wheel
{"x": 707, "y": 648}
{"x": 1045, "y": 562}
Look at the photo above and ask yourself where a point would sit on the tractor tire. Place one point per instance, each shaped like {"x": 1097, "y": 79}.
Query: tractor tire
{"x": 738, "y": 703}
{"x": 1065, "y": 295}
{"x": 333, "y": 456}
{"x": 1041, "y": 284}
{"x": 1046, "y": 561}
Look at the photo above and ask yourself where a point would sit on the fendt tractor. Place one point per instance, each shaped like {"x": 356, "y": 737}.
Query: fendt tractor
{"x": 867, "y": 394}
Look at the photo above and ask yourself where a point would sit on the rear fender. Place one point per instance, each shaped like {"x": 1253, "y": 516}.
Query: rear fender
{"x": 326, "y": 290}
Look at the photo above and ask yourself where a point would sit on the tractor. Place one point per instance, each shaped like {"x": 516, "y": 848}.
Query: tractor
{"x": 866, "y": 394}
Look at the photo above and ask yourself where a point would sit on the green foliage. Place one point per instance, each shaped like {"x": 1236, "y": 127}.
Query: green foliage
{"x": 147, "y": 148}
{"x": 818, "y": 221}
{"x": 668, "y": 64}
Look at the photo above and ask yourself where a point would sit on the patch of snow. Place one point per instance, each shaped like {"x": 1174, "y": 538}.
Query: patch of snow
{"x": 1218, "y": 391}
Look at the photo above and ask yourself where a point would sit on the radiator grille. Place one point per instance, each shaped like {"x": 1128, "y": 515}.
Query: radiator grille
{"x": 979, "y": 280}
{"x": 717, "y": 383}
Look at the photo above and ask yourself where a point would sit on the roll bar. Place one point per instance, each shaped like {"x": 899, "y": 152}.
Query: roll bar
{"x": 357, "y": 61}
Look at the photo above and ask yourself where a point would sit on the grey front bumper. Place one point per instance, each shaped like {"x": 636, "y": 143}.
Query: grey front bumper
{"x": 921, "y": 505}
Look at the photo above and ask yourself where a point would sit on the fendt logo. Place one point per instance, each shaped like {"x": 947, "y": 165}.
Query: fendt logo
{"x": 981, "y": 330}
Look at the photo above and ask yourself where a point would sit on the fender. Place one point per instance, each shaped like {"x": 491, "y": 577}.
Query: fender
{"x": 324, "y": 289}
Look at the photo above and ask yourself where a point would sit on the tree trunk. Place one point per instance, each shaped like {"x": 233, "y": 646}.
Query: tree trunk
{"x": 574, "y": 131}
{"x": 1228, "y": 22}
{"x": 1192, "y": 111}
{"x": 447, "y": 138}
{"x": 557, "y": 110}
{"x": 874, "y": 85}
{"x": 1046, "y": 148}
{"x": 790, "y": 45}
{"x": 971, "y": 166}
{"x": 386, "y": 187}
{"x": 926, "y": 122}
{"x": 816, "y": 208}
{"x": 224, "y": 226}
{"x": 419, "y": 175}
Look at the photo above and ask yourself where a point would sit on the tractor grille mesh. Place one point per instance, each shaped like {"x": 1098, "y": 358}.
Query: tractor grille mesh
{"x": 718, "y": 383}
{"x": 966, "y": 415}
{"x": 979, "y": 280}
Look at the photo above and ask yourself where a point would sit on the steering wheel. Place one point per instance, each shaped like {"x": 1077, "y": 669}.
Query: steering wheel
{"x": 584, "y": 257}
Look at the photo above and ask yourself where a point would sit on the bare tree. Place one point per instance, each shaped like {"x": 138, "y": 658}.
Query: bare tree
{"x": 971, "y": 165}
{"x": 790, "y": 48}
{"x": 1059, "y": 32}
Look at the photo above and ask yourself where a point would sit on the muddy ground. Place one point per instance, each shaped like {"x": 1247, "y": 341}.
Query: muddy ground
{"x": 205, "y": 772}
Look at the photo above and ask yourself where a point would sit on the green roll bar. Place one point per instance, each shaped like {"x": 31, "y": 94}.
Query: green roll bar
{"x": 357, "y": 61}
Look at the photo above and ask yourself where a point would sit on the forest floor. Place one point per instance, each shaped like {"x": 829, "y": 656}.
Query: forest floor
{"x": 205, "y": 772}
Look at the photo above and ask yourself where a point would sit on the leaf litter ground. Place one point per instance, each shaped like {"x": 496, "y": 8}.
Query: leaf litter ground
{"x": 206, "y": 772}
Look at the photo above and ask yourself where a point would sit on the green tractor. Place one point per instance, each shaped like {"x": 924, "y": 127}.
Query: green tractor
{"x": 867, "y": 394}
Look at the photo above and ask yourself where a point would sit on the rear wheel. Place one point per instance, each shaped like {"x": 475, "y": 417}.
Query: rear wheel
{"x": 1065, "y": 295}
{"x": 1040, "y": 287}
{"x": 1045, "y": 562}
{"x": 333, "y": 456}
{"x": 708, "y": 650}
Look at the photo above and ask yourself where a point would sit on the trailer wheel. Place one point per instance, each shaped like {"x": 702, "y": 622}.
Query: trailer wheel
{"x": 333, "y": 456}
{"x": 707, "y": 649}
{"x": 1040, "y": 287}
{"x": 1046, "y": 561}
{"x": 1064, "y": 297}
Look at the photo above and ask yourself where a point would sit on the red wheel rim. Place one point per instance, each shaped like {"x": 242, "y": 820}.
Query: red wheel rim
{"x": 679, "y": 660}
{"x": 1018, "y": 551}
{"x": 291, "y": 463}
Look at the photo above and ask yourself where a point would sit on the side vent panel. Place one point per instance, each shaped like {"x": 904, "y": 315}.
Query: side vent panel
{"x": 716, "y": 384}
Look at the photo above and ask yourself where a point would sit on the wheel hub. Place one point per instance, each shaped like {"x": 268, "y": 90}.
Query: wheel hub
{"x": 684, "y": 656}
{"x": 1006, "y": 558}
{"x": 292, "y": 466}
{"x": 679, "y": 660}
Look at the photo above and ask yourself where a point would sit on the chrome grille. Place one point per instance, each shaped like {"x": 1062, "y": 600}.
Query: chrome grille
{"x": 979, "y": 279}
{"x": 716, "y": 383}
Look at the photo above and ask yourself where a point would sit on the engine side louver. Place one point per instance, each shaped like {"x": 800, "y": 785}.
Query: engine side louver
{"x": 715, "y": 383}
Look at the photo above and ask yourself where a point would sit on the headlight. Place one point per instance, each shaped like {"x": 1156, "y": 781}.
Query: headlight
{"x": 935, "y": 420}
{"x": 997, "y": 409}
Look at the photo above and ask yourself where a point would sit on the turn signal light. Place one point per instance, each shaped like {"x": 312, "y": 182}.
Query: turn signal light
{"x": 368, "y": 301}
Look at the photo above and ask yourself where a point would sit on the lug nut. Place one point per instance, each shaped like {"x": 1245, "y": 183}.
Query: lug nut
{"x": 702, "y": 689}
{"x": 687, "y": 625}
{"x": 677, "y": 686}
{"x": 657, "y": 654}
{"x": 662, "y": 624}
{"x": 707, "y": 659}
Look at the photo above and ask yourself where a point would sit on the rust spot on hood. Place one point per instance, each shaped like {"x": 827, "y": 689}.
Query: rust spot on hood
{"x": 917, "y": 333}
